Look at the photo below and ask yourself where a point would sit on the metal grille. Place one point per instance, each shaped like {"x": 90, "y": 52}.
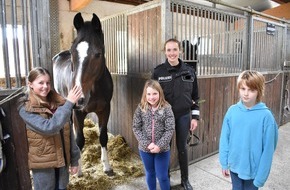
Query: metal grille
{"x": 14, "y": 52}
{"x": 115, "y": 34}
{"x": 29, "y": 37}
{"x": 215, "y": 41}
{"x": 132, "y": 39}
{"x": 268, "y": 44}
{"x": 216, "y": 38}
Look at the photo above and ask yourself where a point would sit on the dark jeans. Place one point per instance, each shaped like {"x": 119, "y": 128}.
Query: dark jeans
{"x": 240, "y": 184}
{"x": 156, "y": 165}
{"x": 182, "y": 125}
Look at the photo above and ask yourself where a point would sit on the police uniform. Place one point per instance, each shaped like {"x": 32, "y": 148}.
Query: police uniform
{"x": 179, "y": 84}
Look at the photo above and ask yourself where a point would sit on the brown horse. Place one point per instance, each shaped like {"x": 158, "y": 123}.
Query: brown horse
{"x": 85, "y": 65}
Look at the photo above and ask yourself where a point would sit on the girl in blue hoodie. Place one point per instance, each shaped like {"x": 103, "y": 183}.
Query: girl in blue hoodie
{"x": 249, "y": 135}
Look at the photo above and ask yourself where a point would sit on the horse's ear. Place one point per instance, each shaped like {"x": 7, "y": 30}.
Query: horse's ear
{"x": 78, "y": 21}
{"x": 96, "y": 22}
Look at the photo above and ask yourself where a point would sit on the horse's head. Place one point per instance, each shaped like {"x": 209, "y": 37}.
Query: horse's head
{"x": 87, "y": 50}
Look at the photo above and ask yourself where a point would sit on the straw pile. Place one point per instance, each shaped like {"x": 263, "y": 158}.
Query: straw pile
{"x": 125, "y": 163}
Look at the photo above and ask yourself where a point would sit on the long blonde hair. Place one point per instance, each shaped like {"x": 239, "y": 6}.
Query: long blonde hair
{"x": 156, "y": 86}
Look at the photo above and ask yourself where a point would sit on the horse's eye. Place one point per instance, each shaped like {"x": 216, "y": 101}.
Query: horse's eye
{"x": 98, "y": 55}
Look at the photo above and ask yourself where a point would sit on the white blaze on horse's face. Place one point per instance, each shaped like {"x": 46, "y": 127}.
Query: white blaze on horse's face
{"x": 82, "y": 49}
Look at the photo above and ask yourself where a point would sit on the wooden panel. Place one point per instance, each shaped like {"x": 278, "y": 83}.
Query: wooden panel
{"x": 136, "y": 89}
{"x": 113, "y": 120}
{"x": 142, "y": 39}
{"x": 198, "y": 151}
{"x": 16, "y": 174}
{"x": 133, "y": 43}
{"x": 204, "y": 126}
{"x": 143, "y": 47}
{"x": 272, "y": 92}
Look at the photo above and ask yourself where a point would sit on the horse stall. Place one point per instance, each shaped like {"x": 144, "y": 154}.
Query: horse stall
{"x": 223, "y": 42}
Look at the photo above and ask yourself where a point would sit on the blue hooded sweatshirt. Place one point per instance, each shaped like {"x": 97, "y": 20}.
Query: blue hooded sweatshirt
{"x": 248, "y": 141}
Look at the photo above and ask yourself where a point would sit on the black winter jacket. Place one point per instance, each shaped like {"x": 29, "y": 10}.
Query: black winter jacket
{"x": 179, "y": 84}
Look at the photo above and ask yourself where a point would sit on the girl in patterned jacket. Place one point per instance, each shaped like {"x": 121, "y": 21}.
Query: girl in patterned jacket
{"x": 153, "y": 126}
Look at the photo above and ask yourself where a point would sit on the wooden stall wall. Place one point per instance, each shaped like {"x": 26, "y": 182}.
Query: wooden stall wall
{"x": 127, "y": 95}
{"x": 16, "y": 175}
{"x": 274, "y": 94}
{"x": 144, "y": 47}
{"x": 217, "y": 93}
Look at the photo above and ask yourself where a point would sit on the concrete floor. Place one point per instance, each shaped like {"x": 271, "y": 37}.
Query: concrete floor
{"x": 206, "y": 174}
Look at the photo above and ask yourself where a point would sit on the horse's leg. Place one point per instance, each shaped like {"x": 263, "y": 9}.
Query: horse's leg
{"x": 103, "y": 121}
{"x": 78, "y": 121}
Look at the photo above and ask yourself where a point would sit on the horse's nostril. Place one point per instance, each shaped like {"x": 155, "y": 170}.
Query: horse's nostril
{"x": 81, "y": 101}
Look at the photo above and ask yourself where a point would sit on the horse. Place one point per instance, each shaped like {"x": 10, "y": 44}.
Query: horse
{"x": 85, "y": 65}
{"x": 190, "y": 52}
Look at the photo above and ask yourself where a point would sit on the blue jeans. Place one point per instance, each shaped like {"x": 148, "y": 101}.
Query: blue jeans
{"x": 241, "y": 184}
{"x": 156, "y": 165}
{"x": 50, "y": 178}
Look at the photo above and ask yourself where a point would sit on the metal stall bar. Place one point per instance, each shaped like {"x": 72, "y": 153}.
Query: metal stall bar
{"x": 214, "y": 46}
{"x": 200, "y": 67}
{"x": 26, "y": 36}
{"x": 207, "y": 32}
{"x": 117, "y": 39}
{"x": 124, "y": 44}
{"x": 5, "y": 44}
{"x": 15, "y": 43}
{"x": 36, "y": 43}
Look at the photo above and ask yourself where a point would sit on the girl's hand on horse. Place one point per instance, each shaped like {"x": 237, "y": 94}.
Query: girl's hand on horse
{"x": 74, "y": 170}
{"x": 74, "y": 94}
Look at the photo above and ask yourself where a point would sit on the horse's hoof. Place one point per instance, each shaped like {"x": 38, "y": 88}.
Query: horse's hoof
{"x": 110, "y": 172}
